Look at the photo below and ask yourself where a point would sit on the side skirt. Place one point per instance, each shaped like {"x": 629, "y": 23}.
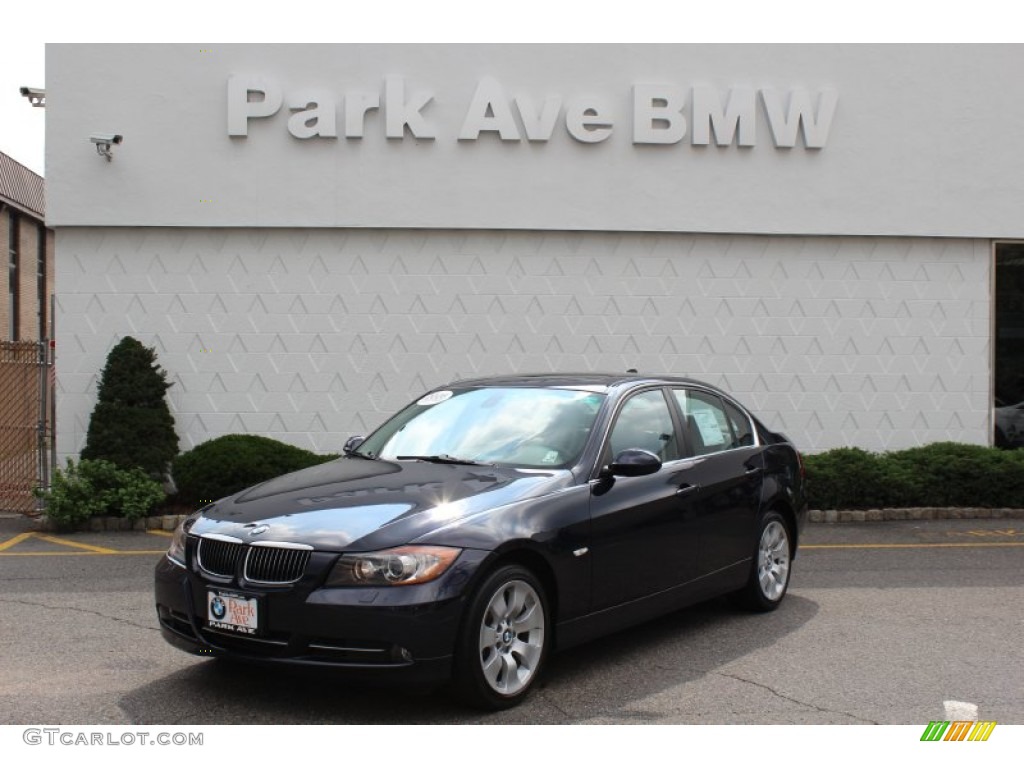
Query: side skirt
{"x": 584, "y": 628}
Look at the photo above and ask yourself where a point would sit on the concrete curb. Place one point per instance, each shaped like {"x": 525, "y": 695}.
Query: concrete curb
{"x": 912, "y": 513}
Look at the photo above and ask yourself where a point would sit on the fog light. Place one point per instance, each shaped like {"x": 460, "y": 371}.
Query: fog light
{"x": 405, "y": 653}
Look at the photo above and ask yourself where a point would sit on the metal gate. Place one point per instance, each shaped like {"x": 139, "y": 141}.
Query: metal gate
{"x": 26, "y": 423}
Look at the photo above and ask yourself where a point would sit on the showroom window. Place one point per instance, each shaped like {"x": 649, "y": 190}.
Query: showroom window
{"x": 1009, "y": 346}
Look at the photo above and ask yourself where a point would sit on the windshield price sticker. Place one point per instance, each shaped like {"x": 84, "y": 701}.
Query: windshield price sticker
{"x": 435, "y": 397}
{"x": 232, "y": 613}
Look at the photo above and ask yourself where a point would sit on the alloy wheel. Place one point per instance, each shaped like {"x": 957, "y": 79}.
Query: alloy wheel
{"x": 773, "y": 560}
{"x": 511, "y": 644}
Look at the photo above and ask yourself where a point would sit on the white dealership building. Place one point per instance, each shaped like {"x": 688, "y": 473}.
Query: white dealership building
{"x": 310, "y": 236}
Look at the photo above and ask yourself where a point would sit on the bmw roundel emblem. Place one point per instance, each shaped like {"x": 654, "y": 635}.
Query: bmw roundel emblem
{"x": 258, "y": 530}
{"x": 217, "y": 608}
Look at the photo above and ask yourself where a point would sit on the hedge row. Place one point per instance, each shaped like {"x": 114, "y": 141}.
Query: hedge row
{"x": 936, "y": 475}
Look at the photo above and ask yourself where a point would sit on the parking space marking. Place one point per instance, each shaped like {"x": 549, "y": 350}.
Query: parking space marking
{"x": 76, "y": 544}
{"x": 77, "y": 548}
{"x": 111, "y": 553}
{"x": 16, "y": 540}
{"x": 987, "y": 534}
{"x": 168, "y": 534}
{"x": 944, "y": 545}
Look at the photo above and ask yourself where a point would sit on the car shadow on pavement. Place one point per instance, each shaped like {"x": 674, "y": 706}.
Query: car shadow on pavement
{"x": 603, "y": 679}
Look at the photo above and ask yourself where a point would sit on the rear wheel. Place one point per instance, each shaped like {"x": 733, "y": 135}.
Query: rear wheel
{"x": 769, "y": 573}
{"x": 504, "y": 639}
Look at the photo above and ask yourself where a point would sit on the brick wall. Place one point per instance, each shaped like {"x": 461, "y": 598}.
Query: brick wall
{"x": 28, "y": 250}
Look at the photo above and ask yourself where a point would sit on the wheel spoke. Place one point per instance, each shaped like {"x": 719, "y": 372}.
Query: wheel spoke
{"x": 498, "y": 609}
{"x": 491, "y": 667}
{"x": 529, "y": 620}
{"x": 517, "y": 599}
{"x": 510, "y": 673}
{"x": 528, "y": 652}
{"x": 487, "y": 633}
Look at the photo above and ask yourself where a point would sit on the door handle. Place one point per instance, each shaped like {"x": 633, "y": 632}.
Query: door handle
{"x": 686, "y": 489}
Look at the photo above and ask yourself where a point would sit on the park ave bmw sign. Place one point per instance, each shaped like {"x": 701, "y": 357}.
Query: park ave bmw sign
{"x": 658, "y": 113}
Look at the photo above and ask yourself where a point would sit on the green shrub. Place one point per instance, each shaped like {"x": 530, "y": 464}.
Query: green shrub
{"x": 837, "y": 477}
{"x": 957, "y": 475}
{"x": 96, "y": 487}
{"x": 936, "y": 475}
{"x": 231, "y": 463}
{"x": 131, "y": 425}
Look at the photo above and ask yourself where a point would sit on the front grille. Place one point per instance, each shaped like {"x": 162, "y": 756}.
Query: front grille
{"x": 219, "y": 556}
{"x": 260, "y": 563}
{"x": 276, "y": 563}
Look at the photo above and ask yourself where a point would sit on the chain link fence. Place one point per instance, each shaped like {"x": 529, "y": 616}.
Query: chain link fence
{"x": 26, "y": 423}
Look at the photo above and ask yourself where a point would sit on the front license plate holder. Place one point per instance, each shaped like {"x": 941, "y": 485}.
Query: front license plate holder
{"x": 233, "y": 612}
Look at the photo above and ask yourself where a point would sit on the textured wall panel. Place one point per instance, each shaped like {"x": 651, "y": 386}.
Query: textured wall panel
{"x": 310, "y": 336}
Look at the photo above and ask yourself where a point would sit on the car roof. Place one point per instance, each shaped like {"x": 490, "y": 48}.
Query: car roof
{"x": 606, "y": 380}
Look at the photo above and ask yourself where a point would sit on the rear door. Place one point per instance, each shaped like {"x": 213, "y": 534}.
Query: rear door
{"x": 730, "y": 470}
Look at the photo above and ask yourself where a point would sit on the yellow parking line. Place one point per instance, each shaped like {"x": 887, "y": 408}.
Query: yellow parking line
{"x": 78, "y": 544}
{"x": 87, "y": 549}
{"x": 107, "y": 553}
{"x": 915, "y": 546}
{"x": 16, "y": 540}
{"x": 168, "y": 534}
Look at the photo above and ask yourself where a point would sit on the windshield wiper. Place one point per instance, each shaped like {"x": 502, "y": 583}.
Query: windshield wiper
{"x": 442, "y": 458}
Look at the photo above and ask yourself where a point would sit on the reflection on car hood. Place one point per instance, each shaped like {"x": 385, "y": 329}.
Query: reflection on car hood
{"x": 371, "y": 504}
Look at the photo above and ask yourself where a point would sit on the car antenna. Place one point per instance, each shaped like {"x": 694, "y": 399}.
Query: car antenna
{"x": 632, "y": 370}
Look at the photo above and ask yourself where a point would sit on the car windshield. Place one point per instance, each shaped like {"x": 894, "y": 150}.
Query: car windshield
{"x": 512, "y": 426}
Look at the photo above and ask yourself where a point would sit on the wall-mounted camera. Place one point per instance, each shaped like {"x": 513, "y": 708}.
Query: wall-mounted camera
{"x": 35, "y": 96}
{"x": 104, "y": 142}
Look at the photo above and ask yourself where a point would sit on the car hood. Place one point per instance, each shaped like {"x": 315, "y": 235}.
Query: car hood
{"x": 354, "y": 503}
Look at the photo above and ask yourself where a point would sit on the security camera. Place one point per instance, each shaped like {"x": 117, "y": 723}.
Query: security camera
{"x": 36, "y": 96}
{"x": 106, "y": 138}
{"x": 103, "y": 142}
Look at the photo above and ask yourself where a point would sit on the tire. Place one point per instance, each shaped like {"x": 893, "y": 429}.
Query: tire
{"x": 504, "y": 639}
{"x": 772, "y": 565}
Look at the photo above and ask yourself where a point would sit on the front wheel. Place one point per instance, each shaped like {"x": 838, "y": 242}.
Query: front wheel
{"x": 769, "y": 573}
{"x": 504, "y": 639}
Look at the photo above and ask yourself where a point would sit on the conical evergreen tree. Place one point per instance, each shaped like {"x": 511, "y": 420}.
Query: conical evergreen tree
{"x": 131, "y": 425}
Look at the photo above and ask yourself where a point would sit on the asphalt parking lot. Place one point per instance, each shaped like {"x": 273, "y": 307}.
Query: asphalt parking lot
{"x": 884, "y": 622}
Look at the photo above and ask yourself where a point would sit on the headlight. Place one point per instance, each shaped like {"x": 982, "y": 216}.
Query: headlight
{"x": 392, "y": 567}
{"x": 176, "y": 552}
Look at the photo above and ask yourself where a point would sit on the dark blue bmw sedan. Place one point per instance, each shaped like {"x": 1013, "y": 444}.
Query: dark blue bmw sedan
{"x": 488, "y": 523}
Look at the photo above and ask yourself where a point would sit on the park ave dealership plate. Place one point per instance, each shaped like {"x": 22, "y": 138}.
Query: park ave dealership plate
{"x": 232, "y": 612}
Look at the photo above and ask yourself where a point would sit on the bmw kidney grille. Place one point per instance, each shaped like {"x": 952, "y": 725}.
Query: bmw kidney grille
{"x": 264, "y": 562}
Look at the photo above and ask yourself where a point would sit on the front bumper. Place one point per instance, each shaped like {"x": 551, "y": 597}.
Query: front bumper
{"x": 402, "y": 633}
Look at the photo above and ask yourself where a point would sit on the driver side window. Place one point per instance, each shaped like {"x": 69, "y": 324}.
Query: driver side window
{"x": 645, "y": 422}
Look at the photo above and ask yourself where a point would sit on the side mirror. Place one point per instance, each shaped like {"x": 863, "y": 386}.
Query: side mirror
{"x": 352, "y": 443}
{"x": 634, "y": 462}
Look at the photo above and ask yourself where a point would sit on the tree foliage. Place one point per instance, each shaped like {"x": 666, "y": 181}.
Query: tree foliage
{"x": 132, "y": 425}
